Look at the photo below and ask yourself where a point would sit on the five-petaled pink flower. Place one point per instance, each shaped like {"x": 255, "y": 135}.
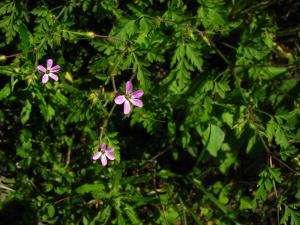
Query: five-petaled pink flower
{"x": 49, "y": 72}
{"x": 104, "y": 154}
{"x": 129, "y": 97}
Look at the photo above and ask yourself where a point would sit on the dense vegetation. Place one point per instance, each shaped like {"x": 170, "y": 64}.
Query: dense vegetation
{"x": 216, "y": 140}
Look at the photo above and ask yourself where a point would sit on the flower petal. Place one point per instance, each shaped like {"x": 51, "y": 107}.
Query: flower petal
{"x": 126, "y": 107}
{"x": 128, "y": 87}
{"x": 45, "y": 78}
{"x": 53, "y": 76}
{"x": 120, "y": 99}
{"x": 49, "y": 64}
{"x": 55, "y": 68}
{"x": 137, "y": 93}
{"x": 41, "y": 69}
{"x": 103, "y": 160}
{"x": 103, "y": 146}
{"x": 137, "y": 102}
{"x": 111, "y": 149}
{"x": 110, "y": 155}
{"x": 96, "y": 155}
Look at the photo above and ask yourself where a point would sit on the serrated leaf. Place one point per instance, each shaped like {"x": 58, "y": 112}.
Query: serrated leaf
{"x": 47, "y": 111}
{"x": 132, "y": 215}
{"x": 102, "y": 216}
{"x": 275, "y": 172}
{"x": 194, "y": 56}
{"x": 142, "y": 73}
{"x": 281, "y": 138}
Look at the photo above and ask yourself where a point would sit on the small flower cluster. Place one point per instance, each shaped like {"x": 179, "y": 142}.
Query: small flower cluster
{"x": 129, "y": 98}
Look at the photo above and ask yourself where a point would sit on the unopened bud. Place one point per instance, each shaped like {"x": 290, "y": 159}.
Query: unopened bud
{"x": 91, "y": 34}
{"x": 2, "y": 58}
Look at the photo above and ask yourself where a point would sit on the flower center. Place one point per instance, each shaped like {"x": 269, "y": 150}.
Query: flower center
{"x": 47, "y": 71}
{"x": 103, "y": 151}
{"x": 128, "y": 96}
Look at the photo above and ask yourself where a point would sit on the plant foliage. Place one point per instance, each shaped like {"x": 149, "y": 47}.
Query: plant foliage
{"x": 216, "y": 142}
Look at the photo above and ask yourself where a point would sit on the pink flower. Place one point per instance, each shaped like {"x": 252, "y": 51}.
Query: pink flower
{"x": 105, "y": 153}
{"x": 49, "y": 72}
{"x": 129, "y": 97}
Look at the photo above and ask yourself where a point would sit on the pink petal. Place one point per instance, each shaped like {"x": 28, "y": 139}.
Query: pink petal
{"x": 137, "y": 93}
{"x": 110, "y": 155}
{"x": 55, "y": 68}
{"x": 53, "y": 76}
{"x": 137, "y": 102}
{"x": 103, "y": 160}
{"x": 128, "y": 87}
{"x": 120, "y": 99}
{"x": 126, "y": 107}
{"x": 96, "y": 155}
{"x": 45, "y": 78}
{"x": 111, "y": 149}
{"x": 41, "y": 69}
{"x": 103, "y": 146}
{"x": 49, "y": 64}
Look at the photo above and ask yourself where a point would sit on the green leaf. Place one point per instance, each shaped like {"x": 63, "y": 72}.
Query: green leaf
{"x": 25, "y": 37}
{"x": 290, "y": 215}
{"x": 25, "y": 113}
{"x": 271, "y": 72}
{"x": 251, "y": 143}
{"x": 194, "y": 56}
{"x": 47, "y": 111}
{"x": 142, "y": 73}
{"x": 4, "y": 92}
{"x": 280, "y": 138}
{"x": 246, "y": 203}
{"x": 102, "y": 216}
{"x": 132, "y": 215}
{"x": 50, "y": 210}
{"x": 59, "y": 97}
{"x": 214, "y": 137}
{"x": 275, "y": 172}
{"x": 87, "y": 188}
{"x": 270, "y": 131}
{"x": 228, "y": 119}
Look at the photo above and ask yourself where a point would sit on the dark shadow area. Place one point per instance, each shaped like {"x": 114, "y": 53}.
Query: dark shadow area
{"x": 17, "y": 212}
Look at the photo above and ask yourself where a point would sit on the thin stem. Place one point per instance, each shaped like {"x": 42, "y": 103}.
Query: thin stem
{"x": 60, "y": 13}
{"x": 114, "y": 84}
{"x": 273, "y": 181}
{"x": 68, "y": 157}
{"x": 157, "y": 194}
{"x": 285, "y": 165}
{"x": 6, "y": 188}
{"x": 103, "y": 127}
{"x": 108, "y": 37}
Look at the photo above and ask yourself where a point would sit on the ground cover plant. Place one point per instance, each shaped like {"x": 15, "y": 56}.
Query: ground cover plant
{"x": 149, "y": 112}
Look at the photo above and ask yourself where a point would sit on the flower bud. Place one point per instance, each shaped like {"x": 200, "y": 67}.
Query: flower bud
{"x": 91, "y": 34}
{"x": 2, "y": 58}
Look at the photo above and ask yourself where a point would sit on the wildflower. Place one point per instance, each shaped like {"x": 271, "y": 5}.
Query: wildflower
{"x": 104, "y": 154}
{"x": 49, "y": 72}
{"x": 129, "y": 97}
